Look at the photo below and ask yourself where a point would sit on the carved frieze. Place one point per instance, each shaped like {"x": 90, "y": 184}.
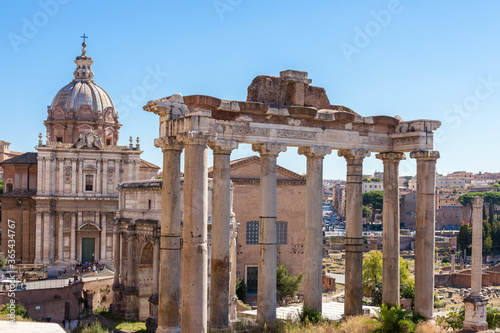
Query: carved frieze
{"x": 111, "y": 176}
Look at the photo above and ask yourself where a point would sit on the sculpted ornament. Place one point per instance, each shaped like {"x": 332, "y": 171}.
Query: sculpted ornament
{"x": 89, "y": 140}
{"x": 67, "y": 175}
{"x": 111, "y": 176}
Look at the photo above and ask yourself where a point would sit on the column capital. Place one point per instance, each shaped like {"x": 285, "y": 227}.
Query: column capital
{"x": 477, "y": 202}
{"x": 391, "y": 156}
{"x": 425, "y": 154}
{"x": 193, "y": 138}
{"x": 271, "y": 148}
{"x": 351, "y": 155}
{"x": 314, "y": 151}
{"x": 168, "y": 144}
{"x": 221, "y": 146}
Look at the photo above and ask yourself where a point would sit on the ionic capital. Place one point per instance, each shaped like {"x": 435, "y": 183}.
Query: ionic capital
{"x": 391, "y": 156}
{"x": 269, "y": 148}
{"x": 353, "y": 155}
{"x": 425, "y": 154}
{"x": 168, "y": 144}
{"x": 193, "y": 138}
{"x": 314, "y": 151}
{"x": 477, "y": 202}
{"x": 221, "y": 146}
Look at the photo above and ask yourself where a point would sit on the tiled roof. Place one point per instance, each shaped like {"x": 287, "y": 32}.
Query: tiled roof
{"x": 26, "y": 158}
{"x": 147, "y": 164}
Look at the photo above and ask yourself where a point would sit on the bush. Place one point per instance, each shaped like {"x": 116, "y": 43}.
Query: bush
{"x": 308, "y": 315}
{"x": 492, "y": 317}
{"x": 94, "y": 327}
{"x": 408, "y": 291}
{"x": 429, "y": 327}
{"x": 19, "y": 310}
{"x": 453, "y": 320}
{"x": 241, "y": 289}
{"x": 358, "y": 324}
{"x": 394, "y": 320}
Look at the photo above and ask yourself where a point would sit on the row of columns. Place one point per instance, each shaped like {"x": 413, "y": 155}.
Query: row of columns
{"x": 46, "y": 222}
{"x": 194, "y": 268}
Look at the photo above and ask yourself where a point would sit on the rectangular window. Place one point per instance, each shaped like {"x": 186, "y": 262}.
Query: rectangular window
{"x": 252, "y": 232}
{"x": 252, "y": 235}
{"x": 282, "y": 232}
{"x": 59, "y": 138}
{"x": 89, "y": 182}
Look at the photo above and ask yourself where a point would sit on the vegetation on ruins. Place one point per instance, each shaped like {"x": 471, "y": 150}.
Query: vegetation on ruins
{"x": 241, "y": 289}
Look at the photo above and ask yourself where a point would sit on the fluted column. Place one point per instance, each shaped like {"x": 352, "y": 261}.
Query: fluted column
{"x": 354, "y": 231}
{"x": 425, "y": 229}
{"x": 194, "y": 234}
{"x": 266, "y": 292}
{"x": 221, "y": 220}
{"x": 390, "y": 220}
{"x": 46, "y": 237}
{"x": 72, "y": 245}
{"x": 60, "y": 244}
{"x": 170, "y": 248}
{"x": 38, "y": 237}
{"x": 313, "y": 226}
{"x": 131, "y": 312}
{"x": 104, "y": 238}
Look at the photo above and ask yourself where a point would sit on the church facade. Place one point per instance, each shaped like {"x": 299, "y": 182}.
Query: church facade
{"x": 78, "y": 169}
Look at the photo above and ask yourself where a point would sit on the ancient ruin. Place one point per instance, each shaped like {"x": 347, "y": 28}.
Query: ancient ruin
{"x": 279, "y": 112}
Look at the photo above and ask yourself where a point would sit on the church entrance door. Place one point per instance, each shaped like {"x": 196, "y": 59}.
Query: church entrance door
{"x": 252, "y": 277}
{"x": 88, "y": 249}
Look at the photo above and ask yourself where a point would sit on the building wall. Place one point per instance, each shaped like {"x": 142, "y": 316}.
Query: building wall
{"x": 290, "y": 208}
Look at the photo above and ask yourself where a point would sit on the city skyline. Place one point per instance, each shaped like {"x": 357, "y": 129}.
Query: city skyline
{"x": 386, "y": 57}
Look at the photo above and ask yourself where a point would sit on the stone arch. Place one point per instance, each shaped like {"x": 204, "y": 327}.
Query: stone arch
{"x": 147, "y": 254}
{"x": 9, "y": 185}
{"x": 89, "y": 226}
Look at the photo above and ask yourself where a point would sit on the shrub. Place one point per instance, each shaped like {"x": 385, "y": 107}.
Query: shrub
{"x": 453, "y": 320}
{"x": 19, "y": 310}
{"x": 308, "y": 315}
{"x": 394, "y": 320}
{"x": 492, "y": 317}
{"x": 429, "y": 327}
{"x": 241, "y": 289}
{"x": 377, "y": 294}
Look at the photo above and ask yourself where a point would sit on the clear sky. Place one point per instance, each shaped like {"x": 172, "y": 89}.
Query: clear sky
{"x": 417, "y": 59}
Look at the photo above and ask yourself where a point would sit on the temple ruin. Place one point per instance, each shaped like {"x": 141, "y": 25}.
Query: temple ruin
{"x": 280, "y": 112}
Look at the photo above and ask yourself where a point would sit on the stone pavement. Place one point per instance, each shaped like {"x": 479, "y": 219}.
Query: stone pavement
{"x": 331, "y": 310}
{"x": 27, "y": 327}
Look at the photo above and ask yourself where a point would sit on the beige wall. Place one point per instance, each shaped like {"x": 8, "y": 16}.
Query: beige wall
{"x": 290, "y": 208}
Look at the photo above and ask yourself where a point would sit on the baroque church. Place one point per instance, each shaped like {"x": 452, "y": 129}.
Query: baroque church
{"x": 63, "y": 198}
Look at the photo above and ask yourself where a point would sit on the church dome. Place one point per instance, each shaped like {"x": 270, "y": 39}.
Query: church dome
{"x": 82, "y": 106}
{"x": 82, "y": 90}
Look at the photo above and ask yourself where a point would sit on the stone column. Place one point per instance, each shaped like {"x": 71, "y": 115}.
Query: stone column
{"x": 475, "y": 303}
{"x": 170, "y": 243}
{"x": 354, "y": 231}
{"x": 131, "y": 312}
{"x": 79, "y": 222}
{"x": 72, "y": 245}
{"x": 194, "y": 235}
{"x": 390, "y": 218}
{"x": 46, "y": 237}
{"x": 266, "y": 292}
{"x": 425, "y": 229}
{"x": 60, "y": 244}
{"x": 152, "y": 321}
{"x": 313, "y": 258}
{"x": 74, "y": 181}
{"x": 38, "y": 239}
{"x": 221, "y": 220}
{"x": 117, "y": 287}
{"x": 105, "y": 177}
{"x": 104, "y": 237}
{"x": 60, "y": 176}
{"x": 98, "y": 182}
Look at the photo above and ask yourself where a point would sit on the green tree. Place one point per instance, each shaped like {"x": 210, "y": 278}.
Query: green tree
{"x": 491, "y": 214}
{"x": 241, "y": 289}
{"x": 464, "y": 237}
{"x": 1, "y": 186}
{"x": 372, "y": 270}
{"x": 366, "y": 211}
{"x": 374, "y": 200}
{"x": 490, "y": 196}
{"x": 286, "y": 284}
{"x": 376, "y": 179}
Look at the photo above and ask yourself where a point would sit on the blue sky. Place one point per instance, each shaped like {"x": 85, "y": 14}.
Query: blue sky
{"x": 417, "y": 59}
